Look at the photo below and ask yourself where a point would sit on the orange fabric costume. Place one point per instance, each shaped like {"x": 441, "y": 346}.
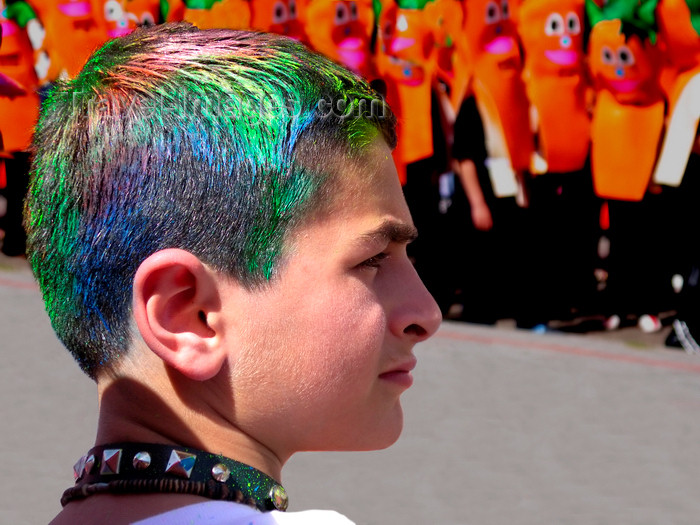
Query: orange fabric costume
{"x": 341, "y": 30}
{"x": 74, "y": 29}
{"x": 278, "y": 16}
{"x": 494, "y": 56}
{"x": 628, "y": 117}
{"x": 552, "y": 36}
{"x": 19, "y": 82}
{"x": 682, "y": 88}
{"x": 209, "y": 14}
{"x": 406, "y": 62}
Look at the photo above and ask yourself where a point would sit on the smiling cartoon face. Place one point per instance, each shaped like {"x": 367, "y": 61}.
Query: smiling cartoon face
{"x": 491, "y": 32}
{"x": 406, "y": 44}
{"x": 277, "y": 16}
{"x": 340, "y": 29}
{"x": 551, "y": 32}
{"x": 446, "y": 21}
{"x": 627, "y": 67}
{"x": 119, "y": 21}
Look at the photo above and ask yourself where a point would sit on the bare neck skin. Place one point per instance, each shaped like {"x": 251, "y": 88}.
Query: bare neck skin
{"x": 157, "y": 405}
{"x": 162, "y": 406}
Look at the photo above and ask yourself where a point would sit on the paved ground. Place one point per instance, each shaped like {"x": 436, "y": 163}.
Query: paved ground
{"x": 502, "y": 427}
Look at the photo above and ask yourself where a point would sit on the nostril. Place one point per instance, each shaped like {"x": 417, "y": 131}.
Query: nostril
{"x": 415, "y": 329}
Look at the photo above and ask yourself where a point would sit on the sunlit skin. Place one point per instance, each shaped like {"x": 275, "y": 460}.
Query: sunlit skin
{"x": 323, "y": 351}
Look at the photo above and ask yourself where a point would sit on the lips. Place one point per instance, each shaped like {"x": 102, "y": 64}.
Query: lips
{"x": 401, "y": 374}
{"x": 75, "y": 9}
{"x": 623, "y": 86}
{"x": 500, "y": 45}
{"x": 561, "y": 57}
{"x": 8, "y": 28}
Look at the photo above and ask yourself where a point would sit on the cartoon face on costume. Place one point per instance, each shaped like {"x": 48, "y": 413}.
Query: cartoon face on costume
{"x": 16, "y": 59}
{"x": 339, "y": 29}
{"x": 490, "y": 31}
{"x": 407, "y": 42}
{"x": 80, "y": 13}
{"x": 447, "y": 18}
{"x": 147, "y": 12}
{"x": 628, "y": 68}
{"x": 552, "y": 34}
{"x": 277, "y": 16}
{"x": 119, "y": 21}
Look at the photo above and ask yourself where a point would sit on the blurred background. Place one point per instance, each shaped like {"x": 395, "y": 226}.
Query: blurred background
{"x": 547, "y": 149}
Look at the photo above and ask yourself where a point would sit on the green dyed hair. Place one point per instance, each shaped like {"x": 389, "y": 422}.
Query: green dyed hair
{"x": 217, "y": 142}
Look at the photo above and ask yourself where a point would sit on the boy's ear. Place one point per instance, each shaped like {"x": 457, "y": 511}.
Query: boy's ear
{"x": 174, "y": 298}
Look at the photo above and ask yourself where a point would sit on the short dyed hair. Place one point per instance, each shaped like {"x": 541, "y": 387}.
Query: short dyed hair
{"x": 211, "y": 141}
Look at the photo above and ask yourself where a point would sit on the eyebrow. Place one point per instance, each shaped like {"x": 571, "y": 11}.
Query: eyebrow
{"x": 391, "y": 231}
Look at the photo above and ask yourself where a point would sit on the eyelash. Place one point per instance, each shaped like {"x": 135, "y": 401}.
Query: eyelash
{"x": 376, "y": 261}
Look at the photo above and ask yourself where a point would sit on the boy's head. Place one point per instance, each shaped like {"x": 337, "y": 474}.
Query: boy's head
{"x": 219, "y": 143}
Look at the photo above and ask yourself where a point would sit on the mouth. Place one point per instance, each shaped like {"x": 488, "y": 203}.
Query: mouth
{"x": 75, "y": 9}
{"x": 561, "y": 57}
{"x": 500, "y": 45}
{"x": 624, "y": 86}
{"x": 400, "y": 375}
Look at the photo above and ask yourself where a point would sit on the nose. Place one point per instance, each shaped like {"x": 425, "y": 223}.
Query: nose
{"x": 417, "y": 315}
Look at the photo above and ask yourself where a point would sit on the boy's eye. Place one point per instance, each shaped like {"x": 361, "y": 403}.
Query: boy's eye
{"x": 374, "y": 262}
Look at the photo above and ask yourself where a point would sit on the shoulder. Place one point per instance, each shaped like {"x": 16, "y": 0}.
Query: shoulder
{"x": 227, "y": 513}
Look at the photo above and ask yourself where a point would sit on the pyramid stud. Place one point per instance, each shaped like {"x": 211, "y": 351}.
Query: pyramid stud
{"x": 142, "y": 460}
{"x": 180, "y": 463}
{"x": 111, "y": 457}
{"x": 89, "y": 464}
{"x": 220, "y": 472}
{"x": 279, "y": 497}
{"x": 79, "y": 468}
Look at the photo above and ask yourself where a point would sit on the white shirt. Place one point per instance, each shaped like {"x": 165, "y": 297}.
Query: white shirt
{"x": 230, "y": 513}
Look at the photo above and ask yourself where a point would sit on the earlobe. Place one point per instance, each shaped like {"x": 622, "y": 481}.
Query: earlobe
{"x": 174, "y": 296}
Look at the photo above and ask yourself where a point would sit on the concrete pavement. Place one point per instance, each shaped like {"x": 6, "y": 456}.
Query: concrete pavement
{"x": 502, "y": 427}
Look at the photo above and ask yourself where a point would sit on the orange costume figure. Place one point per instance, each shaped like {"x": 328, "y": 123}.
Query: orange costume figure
{"x": 628, "y": 117}
{"x": 282, "y": 17}
{"x": 447, "y": 20}
{"x": 680, "y": 32}
{"x": 552, "y": 35}
{"x": 406, "y": 62}
{"x": 74, "y": 29}
{"x": 494, "y": 55}
{"x": 118, "y": 20}
{"x": 341, "y": 30}
{"x": 146, "y": 12}
{"x": 19, "y": 82}
{"x": 208, "y": 14}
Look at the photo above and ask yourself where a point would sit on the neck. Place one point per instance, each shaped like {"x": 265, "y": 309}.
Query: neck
{"x": 171, "y": 413}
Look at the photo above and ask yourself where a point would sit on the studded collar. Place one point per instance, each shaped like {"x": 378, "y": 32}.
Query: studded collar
{"x": 138, "y": 468}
